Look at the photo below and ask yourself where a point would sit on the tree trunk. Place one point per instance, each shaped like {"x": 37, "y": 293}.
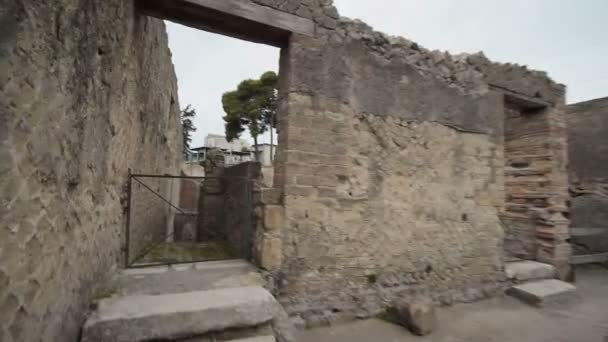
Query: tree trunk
{"x": 271, "y": 141}
{"x": 255, "y": 148}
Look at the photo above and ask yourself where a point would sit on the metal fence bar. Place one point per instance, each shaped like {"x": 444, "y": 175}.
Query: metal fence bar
{"x": 128, "y": 232}
{"x": 159, "y": 196}
{"x": 155, "y": 244}
{"x": 240, "y": 181}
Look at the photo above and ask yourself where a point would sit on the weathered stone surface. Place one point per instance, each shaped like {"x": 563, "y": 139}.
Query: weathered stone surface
{"x": 392, "y": 169}
{"x": 543, "y": 292}
{"x": 417, "y": 314}
{"x": 239, "y": 225}
{"x": 185, "y": 278}
{"x": 87, "y": 91}
{"x": 145, "y": 317}
{"x": 535, "y": 184}
{"x": 271, "y": 253}
{"x": 321, "y": 11}
{"x": 274, "y": 218}
{"x": 588, "y": 170}
{"x": 398, "y": 188}
{"x": 529, "y": 270}
{"x": 256, "y": 339}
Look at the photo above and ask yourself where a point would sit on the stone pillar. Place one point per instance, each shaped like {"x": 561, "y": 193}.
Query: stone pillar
{"x": 270, "y": 222}
{"x": 553, "y": 230}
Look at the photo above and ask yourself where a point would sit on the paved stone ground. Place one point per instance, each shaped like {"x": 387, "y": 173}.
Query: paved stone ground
{"x": 502, "y": 319}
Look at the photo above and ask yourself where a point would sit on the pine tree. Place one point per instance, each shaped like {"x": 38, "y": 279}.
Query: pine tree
{"x": 252, "y": 106}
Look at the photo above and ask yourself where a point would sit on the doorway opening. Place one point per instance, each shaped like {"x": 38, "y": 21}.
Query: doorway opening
{"x": 207, "y": 211}
{"x": 528, "y": 163}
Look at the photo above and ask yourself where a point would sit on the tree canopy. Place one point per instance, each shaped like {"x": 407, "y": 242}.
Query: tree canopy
{"x": 252, "y": 106}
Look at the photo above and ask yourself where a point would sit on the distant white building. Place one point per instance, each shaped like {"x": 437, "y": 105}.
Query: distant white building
{"x": 235, "y": 152}
{"x": 220, "y": 141}
{"x": 199, "y": 154}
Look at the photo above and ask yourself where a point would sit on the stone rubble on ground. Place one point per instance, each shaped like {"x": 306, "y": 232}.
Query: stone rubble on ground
{"x": 417, "y": 314}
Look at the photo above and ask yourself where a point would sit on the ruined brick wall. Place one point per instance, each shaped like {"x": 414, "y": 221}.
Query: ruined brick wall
{"x": 391, "y": 161}
{"x": 393, "y": 175}
{"x": 527, "y": 167}
{"x": 536, "y": 159}
{"x": 86, "y": 91}
{"x": 588, "y": 150}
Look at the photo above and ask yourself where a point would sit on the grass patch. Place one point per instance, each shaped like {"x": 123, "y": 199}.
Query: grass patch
{"x": 183, "y": 252}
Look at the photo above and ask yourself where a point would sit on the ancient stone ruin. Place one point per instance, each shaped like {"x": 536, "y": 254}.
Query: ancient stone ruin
{"x": 588, "y": 172}
{"x": 400, "y": 170}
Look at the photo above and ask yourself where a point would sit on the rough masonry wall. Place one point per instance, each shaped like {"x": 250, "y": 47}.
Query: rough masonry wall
{"x": 87, "y": 90}
{"x": 588, "y": 150}
{"x": 322, "y": 12}
{"x": 239, "y": 225}
{"x": 393, "y": 177}
{"x": 536, "y": 160}
{"x": 527, "y": 166}
{"x": 150, "y": 215}
{"x": 391, "y": 161}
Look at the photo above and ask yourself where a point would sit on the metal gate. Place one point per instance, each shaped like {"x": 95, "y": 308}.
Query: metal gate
{"x": 181, "y": 219}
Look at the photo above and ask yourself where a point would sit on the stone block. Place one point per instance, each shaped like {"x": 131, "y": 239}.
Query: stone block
{"x": 274, "y": 218}
{"x": 529, "y": 270}
{"x": 272, "y": 253}
{"x": 256, "y": 339}
{"x": 271, "y": 195}
{"x": 169, "y": 316}
{"x": 543, "y": 292}
{"x": 418, "y": 315}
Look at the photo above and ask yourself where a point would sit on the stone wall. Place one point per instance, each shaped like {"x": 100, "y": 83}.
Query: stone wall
{"x": 527, "y": 169}
{"x": 226, "y": 210}
{"x": 186, "y": 219}
{"x": 588, "y": 149}
{"x": 87, "y": 90}
{"x": 322, "y": 12}
{"x": 389, "y": 177}
{"x": 391, "y": 164}
{"x": 151, "y": 217}
{"x": 239, "y": 224}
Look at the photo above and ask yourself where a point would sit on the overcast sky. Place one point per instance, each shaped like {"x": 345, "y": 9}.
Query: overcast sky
{"x": 567, "y": 38}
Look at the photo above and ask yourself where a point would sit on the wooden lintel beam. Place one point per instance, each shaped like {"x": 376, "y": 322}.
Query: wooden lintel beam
{"x": 241, "y": 19}
{"x": 261, "y": 14}
{"x": 523, "y": 101}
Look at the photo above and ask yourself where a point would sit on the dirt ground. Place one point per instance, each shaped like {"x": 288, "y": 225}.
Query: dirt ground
{"x": 501, "y": 319}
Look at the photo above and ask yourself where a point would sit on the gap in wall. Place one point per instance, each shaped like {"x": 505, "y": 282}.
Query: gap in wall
{"x": 194, "y": 226}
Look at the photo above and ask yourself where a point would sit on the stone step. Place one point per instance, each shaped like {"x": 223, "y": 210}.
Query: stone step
{"x": 184, "y": 278}
{"x": 256, "y": 339}
{"x": 543, "y": 292}
{"x": 179, "y": 315}
{"x": 525, "y": 270}
{"x": 213, "y": 338}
